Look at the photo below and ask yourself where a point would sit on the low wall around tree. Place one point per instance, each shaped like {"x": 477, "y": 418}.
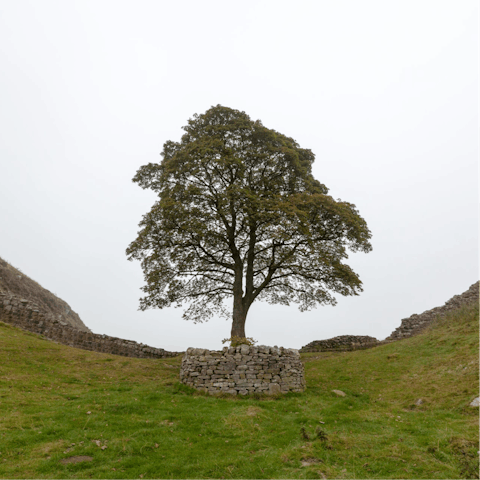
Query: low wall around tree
{"x": 25, "y": 314}
{"x": 243, "y": 370}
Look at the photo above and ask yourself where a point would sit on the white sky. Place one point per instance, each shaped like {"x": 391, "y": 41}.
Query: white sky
{"x": 384, "y": 93}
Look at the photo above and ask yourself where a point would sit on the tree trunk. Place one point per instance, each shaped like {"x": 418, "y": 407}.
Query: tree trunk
{"x": 239, "y": 310}
{"x": 239, "y": 317}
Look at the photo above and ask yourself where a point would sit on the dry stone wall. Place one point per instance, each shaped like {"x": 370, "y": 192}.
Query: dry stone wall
{"x": 17, "y": 283}
{"x": 243, "y": 370}
{"x": 343, "y": 343}
{"x": 416, "y": 323}
{"x": 25, "y": 314}
{"x": 409, "y": 326}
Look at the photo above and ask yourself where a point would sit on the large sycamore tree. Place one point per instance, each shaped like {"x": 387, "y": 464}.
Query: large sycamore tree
{"x": 239, "y": 215}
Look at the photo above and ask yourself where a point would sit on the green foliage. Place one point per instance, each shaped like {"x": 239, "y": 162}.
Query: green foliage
{"x": 236, "y": 341}
{"x": 240, "y": 214}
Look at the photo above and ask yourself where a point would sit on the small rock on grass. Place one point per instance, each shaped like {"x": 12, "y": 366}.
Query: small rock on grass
{"x": 475, "y": 402}
{"x": 419, "y": 402}
{"x": 339, "y": 393}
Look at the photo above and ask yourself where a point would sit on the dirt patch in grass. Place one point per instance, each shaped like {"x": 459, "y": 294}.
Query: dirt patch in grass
{"x": 77, "y": 459}
{"x": 48, "y": 448}
{"x": 253, "y": 411}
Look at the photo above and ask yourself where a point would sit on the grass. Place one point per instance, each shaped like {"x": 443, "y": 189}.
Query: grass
{"x": 134, "y": 420}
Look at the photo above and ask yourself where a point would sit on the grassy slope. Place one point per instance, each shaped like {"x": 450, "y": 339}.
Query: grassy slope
{"x": 152, "y": 427}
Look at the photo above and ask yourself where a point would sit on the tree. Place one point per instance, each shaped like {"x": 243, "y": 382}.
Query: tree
{"x": 240, "y": 215}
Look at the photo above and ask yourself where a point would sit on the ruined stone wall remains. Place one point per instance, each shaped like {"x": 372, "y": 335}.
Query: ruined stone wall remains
{"x": 243, "y": 370}
{"x": 25, "y": 314}
{"x": 416, "y": 323}
{"x": 343, "y": 343}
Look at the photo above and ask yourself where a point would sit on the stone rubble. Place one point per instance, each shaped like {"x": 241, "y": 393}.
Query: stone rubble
{"x": 243, "y": 370}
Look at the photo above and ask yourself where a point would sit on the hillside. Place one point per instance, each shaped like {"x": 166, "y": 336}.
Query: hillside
{"x": 17, "y": 283}
{"x": 70, "y": 413}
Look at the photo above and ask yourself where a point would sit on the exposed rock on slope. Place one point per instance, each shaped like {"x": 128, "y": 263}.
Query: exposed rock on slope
{"x": 14, "y": 282}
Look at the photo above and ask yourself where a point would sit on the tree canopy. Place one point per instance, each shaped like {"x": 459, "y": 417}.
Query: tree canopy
{"x": 240, "y": 215}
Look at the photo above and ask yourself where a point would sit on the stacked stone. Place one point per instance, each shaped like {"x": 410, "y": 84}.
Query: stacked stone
{"x": 14, "y": 282}
{"x": 26, "y": 315}
{"x": 416, "y": 323}
{"x": 342, "y": 343}
{"x": 243, "y": 370}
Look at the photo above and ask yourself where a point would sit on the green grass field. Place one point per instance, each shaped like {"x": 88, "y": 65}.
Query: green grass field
{"x": 134, "y": 420}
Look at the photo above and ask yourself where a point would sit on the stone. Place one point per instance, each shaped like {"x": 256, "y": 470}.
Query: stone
{"x": 245, "y": 372}
{"x": 339, "y": 393}
{"x": 27, "y": 316}
{"x": 244, "y": 349}
{"x": 419, "y": 402}
{"x": 274, "y": 389}
{"x": 409, "y": 326}
{"x": 340, "y": 344}
{"x": 416, "y": 323}
{"x": 475, "y": 402}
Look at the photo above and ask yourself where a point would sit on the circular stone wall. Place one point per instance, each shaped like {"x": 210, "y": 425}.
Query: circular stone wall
{"x": 243, "y": 370}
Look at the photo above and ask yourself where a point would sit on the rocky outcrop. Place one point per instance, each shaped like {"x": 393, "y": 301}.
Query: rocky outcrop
{"x": 243, "y": 370}
{"x": 22, "y": 313}
{"x": 416, "y": 323}
{"x": 343, "y": 343}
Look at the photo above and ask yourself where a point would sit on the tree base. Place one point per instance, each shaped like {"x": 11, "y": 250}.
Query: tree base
{"x": 243, "y": 370}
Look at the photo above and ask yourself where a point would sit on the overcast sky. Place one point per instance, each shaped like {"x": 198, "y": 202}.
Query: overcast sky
{"x": 385, "y": 93}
